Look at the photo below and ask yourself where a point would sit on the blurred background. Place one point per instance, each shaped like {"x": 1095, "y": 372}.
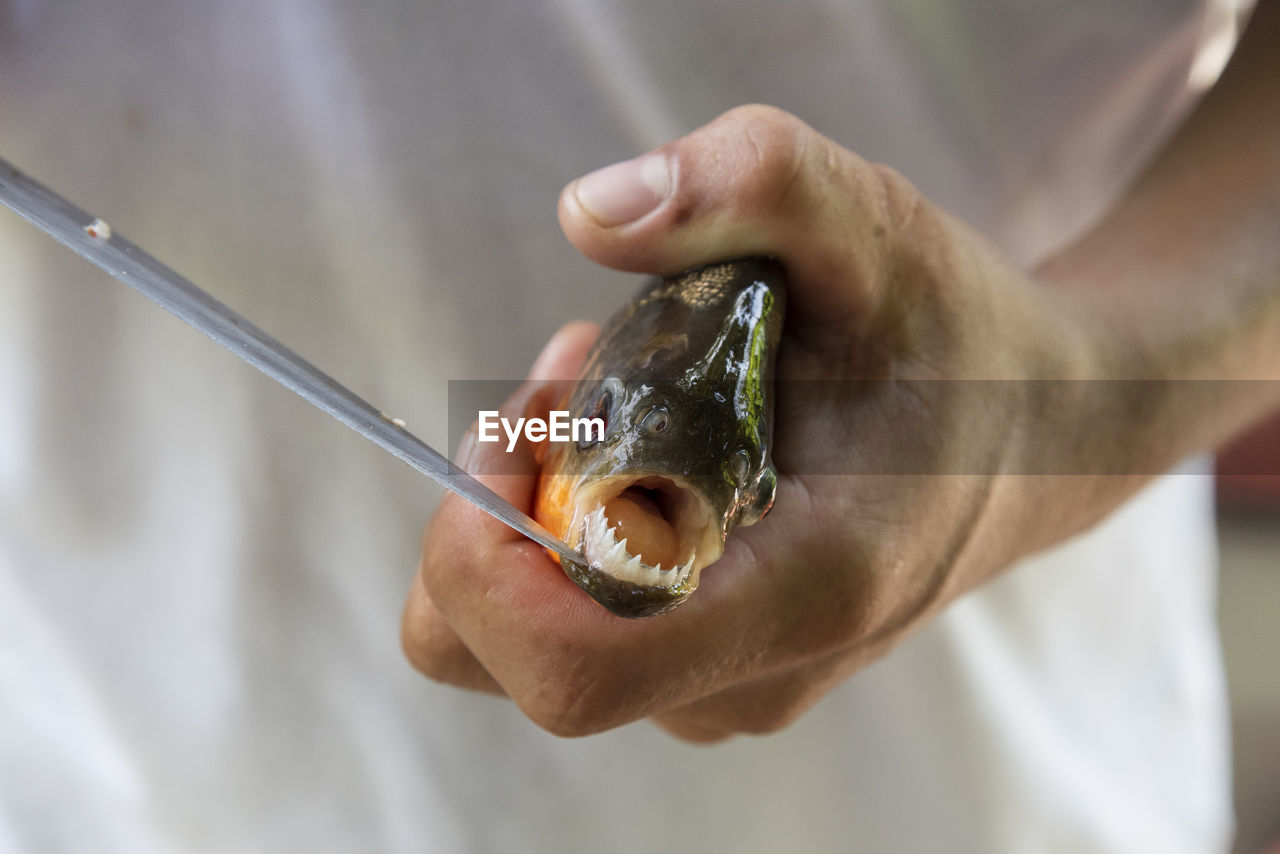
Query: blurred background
{"x": 197, "y": 121}
{"x": 1249, "y": 610}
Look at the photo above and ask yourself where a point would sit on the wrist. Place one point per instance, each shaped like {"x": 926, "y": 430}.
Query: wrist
{"x": 1091, "y": 424}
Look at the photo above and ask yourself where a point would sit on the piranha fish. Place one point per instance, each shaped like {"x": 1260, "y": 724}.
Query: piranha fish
{"x": 682, "y": 379}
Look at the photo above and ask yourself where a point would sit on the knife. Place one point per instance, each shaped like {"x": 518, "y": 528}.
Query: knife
{"x": 92, "y": 239}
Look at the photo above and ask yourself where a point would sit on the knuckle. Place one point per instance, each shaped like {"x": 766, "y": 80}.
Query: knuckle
{"x": 763, "y": 725}
{"x": 572, "y": 687}
{"x": 723, "y": 719}
{"x": 902, "y": 202}
{"x": 779, "y": 161}
{"x": 425, "y": 657}
{"x": 777, "y": 149}
{"x": 754, "y": 709}
{"x": 767, "y": 124}
{"x": 771, "y": 717}
{"x": 431, "y": 646}
{"x": 572, "y": 705}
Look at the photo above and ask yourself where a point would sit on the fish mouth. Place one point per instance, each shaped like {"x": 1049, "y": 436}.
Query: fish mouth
{"x": 646, "y": 540}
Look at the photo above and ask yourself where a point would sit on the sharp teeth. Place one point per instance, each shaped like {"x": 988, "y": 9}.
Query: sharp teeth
{"x": 648, "y": 575}
{"x": 607, "y": 554}
{"x": 599, "y": 539}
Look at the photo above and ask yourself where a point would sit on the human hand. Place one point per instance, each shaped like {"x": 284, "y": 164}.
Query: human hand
{"x": 894, "y": 496}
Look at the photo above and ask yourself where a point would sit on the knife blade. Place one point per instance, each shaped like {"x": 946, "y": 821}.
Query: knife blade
{"x": 92, "y": 239}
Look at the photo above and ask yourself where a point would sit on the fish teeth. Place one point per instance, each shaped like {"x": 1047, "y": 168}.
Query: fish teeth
{"x": 608, "y": 554}
{"x": 598, "y": 538}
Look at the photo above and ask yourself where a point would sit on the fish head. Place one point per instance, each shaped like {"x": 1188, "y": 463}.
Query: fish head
{"x": 683, "y": 458}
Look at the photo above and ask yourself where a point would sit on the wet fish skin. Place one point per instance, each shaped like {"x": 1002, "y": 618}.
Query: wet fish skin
{"x": 683, "y": 376}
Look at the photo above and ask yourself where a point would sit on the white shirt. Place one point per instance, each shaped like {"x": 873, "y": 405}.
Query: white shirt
{"x": 201, "y": 578}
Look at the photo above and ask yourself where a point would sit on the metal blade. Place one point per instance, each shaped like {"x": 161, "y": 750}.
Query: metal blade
{"x": 92, "y": 239}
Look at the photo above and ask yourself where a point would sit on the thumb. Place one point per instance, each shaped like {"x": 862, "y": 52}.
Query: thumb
{"x": 756, "y": 180}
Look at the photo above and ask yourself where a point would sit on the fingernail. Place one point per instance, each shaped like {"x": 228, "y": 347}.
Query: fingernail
{"x": 624, "y": 191}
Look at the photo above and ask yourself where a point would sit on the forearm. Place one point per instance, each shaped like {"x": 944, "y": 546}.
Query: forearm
{"x": 1178, "y": 293}
{"x": 1184, "y": 274}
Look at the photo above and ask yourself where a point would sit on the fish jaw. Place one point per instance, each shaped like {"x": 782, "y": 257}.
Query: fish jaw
{"x": 622, "y": 581}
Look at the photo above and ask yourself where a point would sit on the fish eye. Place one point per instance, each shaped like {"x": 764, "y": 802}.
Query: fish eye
{"x": 739, "y": 468}
{"x": 655, "y": 420}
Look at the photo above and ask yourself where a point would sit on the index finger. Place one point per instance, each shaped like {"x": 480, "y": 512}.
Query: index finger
{"x": 429, "y": 642}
